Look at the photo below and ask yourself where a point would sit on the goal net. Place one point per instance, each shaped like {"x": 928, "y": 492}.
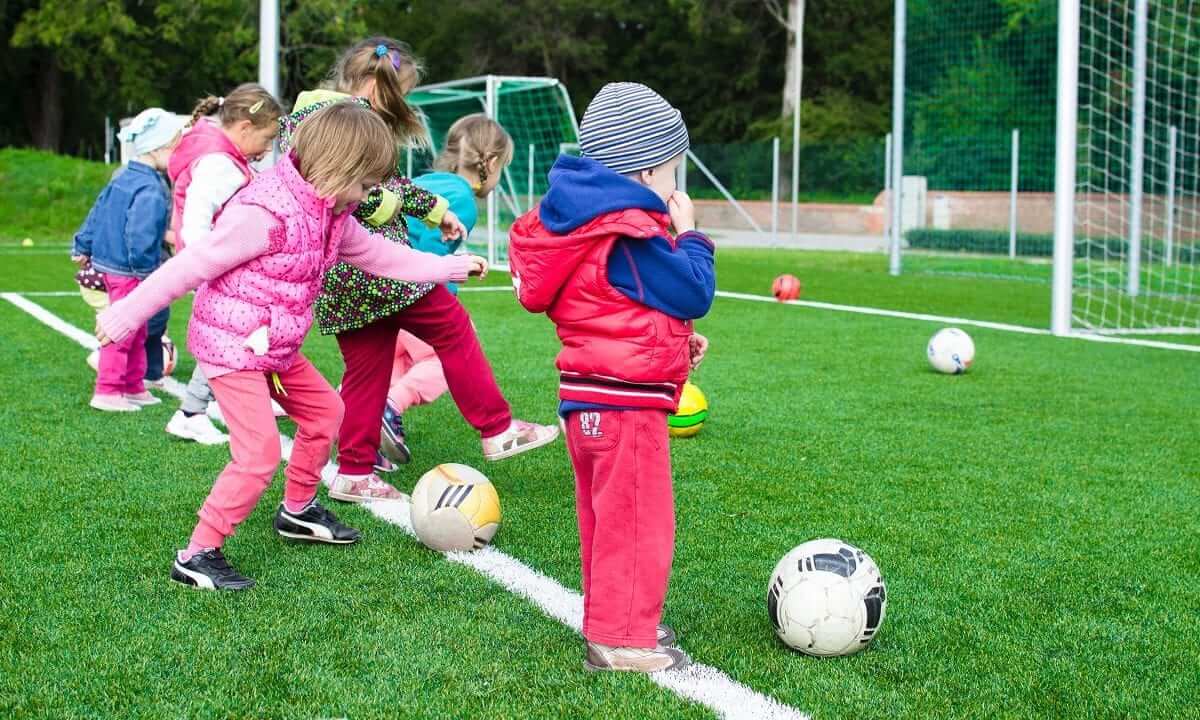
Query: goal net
{"x": 1138, "y": 157}
{"x": 535, "y": 111}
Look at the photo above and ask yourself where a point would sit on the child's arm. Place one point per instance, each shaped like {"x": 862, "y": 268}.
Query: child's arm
{"x": 242, "y": 234}
{"x": 378, "y": 256}
{"x": 214, "y": 180}
{"x": 680, "y": 282}
{"x": 81, "y": 247}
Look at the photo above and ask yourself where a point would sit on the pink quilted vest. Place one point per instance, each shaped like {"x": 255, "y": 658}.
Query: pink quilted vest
{"x": 276, "y": 289}
{"x": 204, "y": 138}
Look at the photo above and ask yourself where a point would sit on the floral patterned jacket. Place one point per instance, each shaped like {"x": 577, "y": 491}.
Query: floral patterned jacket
{"x": 350, "y": 298}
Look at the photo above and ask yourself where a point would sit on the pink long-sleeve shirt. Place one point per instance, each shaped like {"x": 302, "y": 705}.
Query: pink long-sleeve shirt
{"x": 242, "y": 235}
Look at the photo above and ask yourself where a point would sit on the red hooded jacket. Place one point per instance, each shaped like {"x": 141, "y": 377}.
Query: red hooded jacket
{"x": 615, "y": 350}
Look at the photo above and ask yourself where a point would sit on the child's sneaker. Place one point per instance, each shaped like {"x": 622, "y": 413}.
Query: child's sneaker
{"x": 314, "y": 524}
{"x": 142, "y": 399}
{"x": 278, "y": 410}
{"x": 197, "y": 427}
{"x": 208, "y": 570}
{"x": 383, "y": 464}
{"x": 113, "y": 403}
{"x": 665, "y": 635}
{"x": 158, "y": 384}
{"x": 391, "y": 436}
{"x": 362, "y": 488}
{"x": 519, "y": 437}
{"x": 631, "y": 659}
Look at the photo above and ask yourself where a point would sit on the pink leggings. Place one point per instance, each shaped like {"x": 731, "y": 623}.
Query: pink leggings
{"x": 417, "y": 376}
{"x": 245, "y": 400}
{"x": 122, "y": 365}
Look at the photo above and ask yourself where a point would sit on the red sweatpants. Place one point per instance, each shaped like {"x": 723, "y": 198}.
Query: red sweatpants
{"x": 440, "y": 320}
{"x": 622, "y": 461}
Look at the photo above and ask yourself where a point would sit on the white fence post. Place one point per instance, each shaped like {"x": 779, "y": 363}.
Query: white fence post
{"x": 775, "y": 190}
{"x": 897, "y": 135}
{"x": 1169, "y": 241}
{"x": 1012, "y": 203}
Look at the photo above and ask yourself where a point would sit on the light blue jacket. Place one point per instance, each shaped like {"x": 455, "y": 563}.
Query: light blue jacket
{"x": 462, "y": 203}
{"x": 124, "y": 230}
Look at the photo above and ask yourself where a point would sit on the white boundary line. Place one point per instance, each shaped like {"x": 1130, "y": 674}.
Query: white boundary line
{"x": 860, "y": 310}
{"x": 699, "y": 683}
{"x": 959, "y": 321}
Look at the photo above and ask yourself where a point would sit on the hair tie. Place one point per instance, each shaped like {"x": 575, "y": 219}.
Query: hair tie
{"x": 381, "y": 50}
{"x": 256, "y": 106}
{"x": 221, "y": 102}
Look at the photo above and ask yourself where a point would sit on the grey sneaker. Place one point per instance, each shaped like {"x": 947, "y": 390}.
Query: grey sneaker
{"x": 666, "y": 635}
{"x": 631, "y": 659}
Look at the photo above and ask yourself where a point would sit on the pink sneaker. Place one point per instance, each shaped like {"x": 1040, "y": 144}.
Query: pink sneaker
{"x": 363, "y": 488}
{"x": 518, "y": 438}
{"x": 142, "y": 399}
{"x": 113, "y": 403}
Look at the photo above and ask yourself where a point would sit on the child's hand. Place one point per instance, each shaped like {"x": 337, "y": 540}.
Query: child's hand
{"x": 683, "y": 213}
{"x": 697, "y": 346}
{"x": 479, "y": 267}
{"x": 452, "y": 228}
{"x": 101, "y": 336}
{"x": 80, "y": 260}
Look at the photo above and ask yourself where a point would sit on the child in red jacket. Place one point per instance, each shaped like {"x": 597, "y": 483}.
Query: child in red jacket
{"x": 599, "y": 257}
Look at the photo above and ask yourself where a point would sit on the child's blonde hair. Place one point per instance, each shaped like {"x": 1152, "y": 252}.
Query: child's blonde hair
{"x": 473, "y": 142}
{"x": 395, "y": 70}
{"x": 248, "y": 101}
{"x": 343, "y": 144}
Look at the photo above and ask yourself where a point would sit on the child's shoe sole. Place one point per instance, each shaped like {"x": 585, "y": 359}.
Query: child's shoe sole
{"x": 518, "y": 449}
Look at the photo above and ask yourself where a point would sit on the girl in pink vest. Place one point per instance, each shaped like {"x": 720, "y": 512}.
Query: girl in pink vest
{"x": 258, "y": 274}
{"x": 211, "y": 163}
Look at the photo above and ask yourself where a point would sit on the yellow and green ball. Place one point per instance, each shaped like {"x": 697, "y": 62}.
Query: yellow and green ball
{"x": 692, "y": 412}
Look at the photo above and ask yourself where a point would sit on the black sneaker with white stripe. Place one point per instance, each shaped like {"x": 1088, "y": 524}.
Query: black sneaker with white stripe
{"x": 314, "y": 524}
{"x": 208, "y": 570}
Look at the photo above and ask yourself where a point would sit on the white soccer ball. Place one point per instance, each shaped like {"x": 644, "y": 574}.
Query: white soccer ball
{"x": 455, "y": 507}
{"x": 951, "y": 351}
{"x": 826, "y": 598}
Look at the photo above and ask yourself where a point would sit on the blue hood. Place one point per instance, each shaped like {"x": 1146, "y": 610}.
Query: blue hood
{"x": 582, "y": 190}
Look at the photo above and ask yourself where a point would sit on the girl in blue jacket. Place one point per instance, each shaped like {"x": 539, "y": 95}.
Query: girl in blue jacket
{"x": 122, "y": 239}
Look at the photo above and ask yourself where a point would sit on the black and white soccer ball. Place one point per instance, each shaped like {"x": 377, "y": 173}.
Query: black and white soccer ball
{"x": 826, "y": 598}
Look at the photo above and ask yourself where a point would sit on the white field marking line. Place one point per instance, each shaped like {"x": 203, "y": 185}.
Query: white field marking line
{"x": 951, "y": 320}
{"x": 699, "y": 683}
{"x": 959, "y": 321}
{"x": 41, "y": 293}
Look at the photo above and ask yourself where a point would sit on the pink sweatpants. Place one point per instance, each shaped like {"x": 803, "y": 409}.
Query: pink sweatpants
{"x": 622, "y": 461}
{"x": 417, "y": 376}
{"x": 245, "y": 400}
{"x": 122, "y": 365}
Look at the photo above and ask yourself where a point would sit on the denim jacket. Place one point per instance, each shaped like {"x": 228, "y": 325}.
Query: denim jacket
{"x": 123, "y": 233}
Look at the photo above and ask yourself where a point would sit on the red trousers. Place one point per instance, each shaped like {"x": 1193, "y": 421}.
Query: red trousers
{"x": 123, "y": 364}
{"x": 439, "y": 320}
{"x": 622, "y": 462}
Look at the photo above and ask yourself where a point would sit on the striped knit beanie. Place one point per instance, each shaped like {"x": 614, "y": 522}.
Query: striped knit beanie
{"x": 628, "y": 127}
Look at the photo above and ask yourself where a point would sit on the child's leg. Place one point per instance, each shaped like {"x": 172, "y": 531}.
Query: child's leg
{"x": 199, "y": 394}
{"x": 156, "y": 327}
{"x": 123, "y": 360}
{"x": 417, "y": 376}
{"x": 254, "y": 443}
{"x": 440, "y": 320}
{"x": 633, "y": 538}
{"x": 581, "y": 463}
{"x": 317, "y": 410}
{"x": 368, "y": 354}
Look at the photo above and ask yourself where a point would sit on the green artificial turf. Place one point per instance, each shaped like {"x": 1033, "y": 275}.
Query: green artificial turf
{"x": 1034, "y": 521}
